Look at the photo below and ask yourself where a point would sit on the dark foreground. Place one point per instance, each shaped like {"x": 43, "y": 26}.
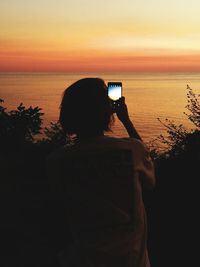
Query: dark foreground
{"x": 33, "y": 223}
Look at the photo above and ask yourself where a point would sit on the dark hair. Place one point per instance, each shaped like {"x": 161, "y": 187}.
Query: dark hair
{"x": 86, "y": 107}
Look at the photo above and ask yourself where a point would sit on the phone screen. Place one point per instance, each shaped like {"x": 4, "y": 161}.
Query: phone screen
{"x": 115, "y": 90}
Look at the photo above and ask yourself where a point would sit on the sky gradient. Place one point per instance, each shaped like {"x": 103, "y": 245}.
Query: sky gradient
{"x": 93, "y": 35}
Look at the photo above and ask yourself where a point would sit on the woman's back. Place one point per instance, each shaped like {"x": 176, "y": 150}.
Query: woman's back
{"x": 99, "y": 178}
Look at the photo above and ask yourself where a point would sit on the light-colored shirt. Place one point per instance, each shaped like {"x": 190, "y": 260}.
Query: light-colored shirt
{"x": 102, "y": 181}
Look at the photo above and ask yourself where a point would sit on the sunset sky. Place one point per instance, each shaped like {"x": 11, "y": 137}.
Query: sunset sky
{"x": 94, "y": 35}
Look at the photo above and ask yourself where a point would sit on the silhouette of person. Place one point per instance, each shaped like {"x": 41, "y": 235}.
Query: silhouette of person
{"x": 101, "y": 179}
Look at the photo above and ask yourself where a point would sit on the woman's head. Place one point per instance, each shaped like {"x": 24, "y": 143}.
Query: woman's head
{"x": 85, "y": 108}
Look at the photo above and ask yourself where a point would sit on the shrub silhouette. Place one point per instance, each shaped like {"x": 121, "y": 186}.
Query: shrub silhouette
{"x": 172, "y": 211}
{"x": 54, "y": 135}
{"x": 19, "y": 126}
{"x": 27, "y": 197}
{"x": 179, "y": 139}
{"x": 193, "y": 106}
{"x": 23, "y": 126}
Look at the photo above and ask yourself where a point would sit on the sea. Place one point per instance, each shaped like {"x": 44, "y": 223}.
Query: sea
{"x": 150, "y": 97}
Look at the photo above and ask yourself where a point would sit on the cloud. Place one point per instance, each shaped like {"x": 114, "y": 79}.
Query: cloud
{"x": 126, "y": 43}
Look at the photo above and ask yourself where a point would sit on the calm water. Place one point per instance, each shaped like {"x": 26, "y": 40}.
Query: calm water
{"x": 148, "y": 96}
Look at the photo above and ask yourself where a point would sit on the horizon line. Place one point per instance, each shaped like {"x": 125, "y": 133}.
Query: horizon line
{"x": 100, "y": 71}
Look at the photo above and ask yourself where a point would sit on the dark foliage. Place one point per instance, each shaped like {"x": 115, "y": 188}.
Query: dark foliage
{"x": 19, "y": 126}
{"x": 172, "y": 212}
{"x": 54, "y": 136}
{"x": 193, "y": 107}
{"x": 178, "y": 140}
{"x": 28, "y": 214}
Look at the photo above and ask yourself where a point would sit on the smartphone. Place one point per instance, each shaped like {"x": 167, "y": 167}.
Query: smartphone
{"x": 114, "y": 90}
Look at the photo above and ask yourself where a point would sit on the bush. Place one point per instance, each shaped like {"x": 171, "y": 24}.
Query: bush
{"x": 19, "y": 126}
{"x": 23, "y": 126}
{"x": 179, "y": 140}
{"x": 172, "y": 214}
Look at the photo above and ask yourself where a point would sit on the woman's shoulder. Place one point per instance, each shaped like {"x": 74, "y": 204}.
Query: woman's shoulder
{"x": 139, "y": 149}
{"x": 106, "y": 142}
{"x": 110, "y": 141}
{"x": 61, "y": 153}
{"x": 133, "y": 142}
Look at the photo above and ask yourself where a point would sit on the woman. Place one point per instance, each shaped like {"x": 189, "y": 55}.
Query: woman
{"x": 101, "y": 180}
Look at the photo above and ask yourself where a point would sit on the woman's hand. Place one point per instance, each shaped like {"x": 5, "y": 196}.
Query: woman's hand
{"x": 122, "y": 110}
{"x": 122, "y": 114}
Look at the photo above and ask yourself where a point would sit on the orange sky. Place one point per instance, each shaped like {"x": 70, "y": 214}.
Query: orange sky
{"x": 84, "y": 35}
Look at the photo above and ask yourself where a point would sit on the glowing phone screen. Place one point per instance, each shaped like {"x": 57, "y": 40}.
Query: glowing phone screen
{"x": 114, "y": 90}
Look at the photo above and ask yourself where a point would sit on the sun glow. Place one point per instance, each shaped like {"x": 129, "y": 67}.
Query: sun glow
{"x": 83, "y": 35}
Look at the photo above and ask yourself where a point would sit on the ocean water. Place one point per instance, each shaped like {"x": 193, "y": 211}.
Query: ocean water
{"x": 149, "y": 96}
